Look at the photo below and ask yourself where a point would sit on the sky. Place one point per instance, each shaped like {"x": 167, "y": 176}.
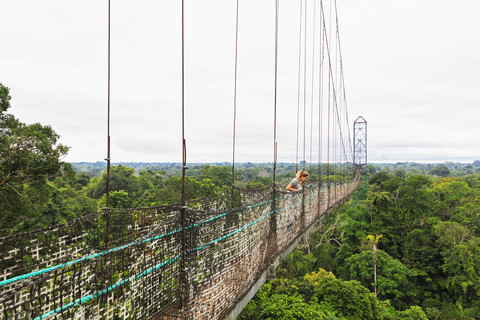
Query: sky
{"x": 410, "y": 68}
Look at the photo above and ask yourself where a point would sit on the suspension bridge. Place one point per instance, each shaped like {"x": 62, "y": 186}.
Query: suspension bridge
{"x": 200, "y": 259}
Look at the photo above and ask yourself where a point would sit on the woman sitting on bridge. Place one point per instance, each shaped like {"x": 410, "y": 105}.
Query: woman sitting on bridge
{"x": 296, "y": 183}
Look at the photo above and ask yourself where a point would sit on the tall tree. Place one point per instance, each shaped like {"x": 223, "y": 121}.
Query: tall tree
{"x": 29, "y": 156}
{"x": 374, "y": 243}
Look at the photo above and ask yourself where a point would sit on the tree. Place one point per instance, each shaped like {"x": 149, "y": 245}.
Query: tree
{"x": 461, "y": 260}
{"x": 450, "y": 194}
{"x": 348, "y": 299}
{"x": 121, "y": 178}
{"x": 374, "y": 243}
{"x": 393, "y": 278}
{"x": 318, "y": 295}
{"x": 379, "y": 178}
{"x": 29, "y": 156}
{"x": 441, "y": 170}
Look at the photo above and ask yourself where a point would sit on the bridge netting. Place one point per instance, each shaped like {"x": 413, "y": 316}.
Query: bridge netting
{"x": 142, "y": 264}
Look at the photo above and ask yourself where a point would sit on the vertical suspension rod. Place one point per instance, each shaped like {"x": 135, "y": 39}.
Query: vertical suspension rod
{"x": 313, "y": 82}
{"x": 107, "y": 185}
{"x": 235, "y": 100}
{"x": 275, "y": 98}
{"x": 298, "y": 87}
{"x": 305, "y": 88}
{"x": 183, "y": 218}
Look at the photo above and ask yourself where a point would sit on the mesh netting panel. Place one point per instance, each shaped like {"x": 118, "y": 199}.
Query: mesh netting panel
{"x": 141, "y": 263}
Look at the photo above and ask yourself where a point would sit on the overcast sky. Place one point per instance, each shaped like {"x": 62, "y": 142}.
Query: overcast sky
{"x": 411, "y": 68}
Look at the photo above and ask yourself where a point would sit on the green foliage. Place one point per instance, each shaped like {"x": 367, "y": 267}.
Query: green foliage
{"x": 118, "y": 199}
{"x": 450, "y": 194}
{"x": 347, "y": 298}
{"x": 282, "y": 306}
{"x": 392, "y": 276}
{"x": 429, "y": 265}
{"x": 380, "y": 178}
{"x": 4, "y": 98}
{"x": 296, "y": 264}
{"x": 29, "y": 157}
{"x": 318, "y": 295}
{"x": 441, "y": 170}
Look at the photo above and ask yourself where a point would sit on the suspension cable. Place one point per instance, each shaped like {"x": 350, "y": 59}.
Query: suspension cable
{"x": 343, "y": 82}
{"x": 277, "y": 4}
{"x": 235, "y": 98}
{"x": 184, "y": 154}
{"x": 333, "y": 91}
{"x": 305, "y": 86}
{"x": 298, "y": 87}
{"x": 320, "y": 100}
{"x": 107, "y": 185}
{"x": 313, "y": 83}
{"x": 183, "y": 289}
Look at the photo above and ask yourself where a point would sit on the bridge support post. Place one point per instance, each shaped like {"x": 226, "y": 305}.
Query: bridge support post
{"x": 272, "y": 240}
{"x": 183, "y": 286}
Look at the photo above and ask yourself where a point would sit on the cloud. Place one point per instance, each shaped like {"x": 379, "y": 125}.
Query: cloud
{"x": 411, "y": 68}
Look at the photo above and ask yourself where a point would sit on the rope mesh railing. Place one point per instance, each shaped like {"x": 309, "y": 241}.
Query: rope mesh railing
{"x": 74, "y": 271}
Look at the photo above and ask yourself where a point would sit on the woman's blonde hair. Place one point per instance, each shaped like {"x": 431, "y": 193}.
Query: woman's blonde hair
{"x": 302, "y": 173}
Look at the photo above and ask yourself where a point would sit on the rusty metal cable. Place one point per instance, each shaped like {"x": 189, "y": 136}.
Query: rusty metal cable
{"x": 277, "y": 4}
{"x": 107, "y": 185}
{"x": 235, "y": 98}
{"x": 298, "y": 86}
{"x": 313, "y": 83}
{"x": 184, "y": 160}
{"x": 305, "y": 87}
{"x": 183, "y": 291}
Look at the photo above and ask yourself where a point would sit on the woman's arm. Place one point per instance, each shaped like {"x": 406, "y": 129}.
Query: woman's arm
{"x": 290, "y": 188}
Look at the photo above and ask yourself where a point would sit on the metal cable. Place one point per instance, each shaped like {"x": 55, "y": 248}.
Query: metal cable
{"x": 275, "y": 99}
{"x": 235, "y": 98}
{"x": 298, "y": 86}
{"x": 305, "y": 86}
{"x": 313, "y": 83}
{"x": 107, "y": 185}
